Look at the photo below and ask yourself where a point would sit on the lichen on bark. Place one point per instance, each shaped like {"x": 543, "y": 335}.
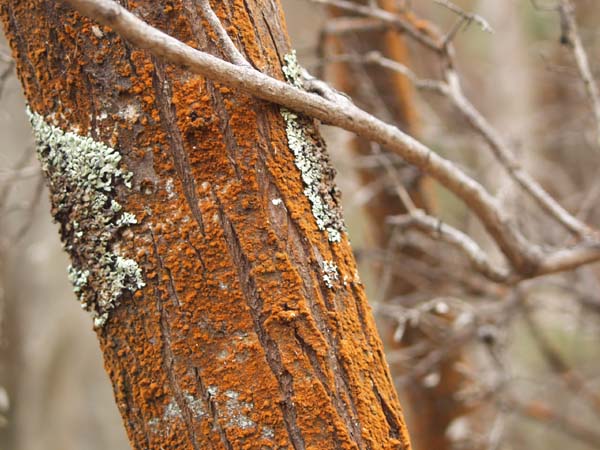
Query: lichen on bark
{"x": 312, "y": 160}
{"x": 235, "y": 341}
{"x": 82, "y": 175}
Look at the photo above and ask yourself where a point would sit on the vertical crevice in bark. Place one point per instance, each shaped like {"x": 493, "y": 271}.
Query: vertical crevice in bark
{"x": 167, "y": 354}
{"x": 240, "y": 338}
{"x": 271, "y": 350}
{"x": 163, "y": 94}
{"x": 212, "y": 411}
{"x": 389, "y": 415}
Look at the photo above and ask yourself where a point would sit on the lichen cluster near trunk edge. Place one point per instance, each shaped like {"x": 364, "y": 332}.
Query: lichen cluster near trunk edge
{"x": 312, "y": 160}
{"x": 330, "y": 273}
{"x": 82, "y": 174}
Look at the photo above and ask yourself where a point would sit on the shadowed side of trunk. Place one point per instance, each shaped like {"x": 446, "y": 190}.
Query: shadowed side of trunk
{"x": 222, "y": 285}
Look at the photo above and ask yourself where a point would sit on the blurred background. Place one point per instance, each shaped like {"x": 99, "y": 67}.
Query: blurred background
{"x": 478, "y": 364}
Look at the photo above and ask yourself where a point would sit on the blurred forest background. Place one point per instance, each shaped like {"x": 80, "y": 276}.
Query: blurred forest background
{"x": 479, "y": 365}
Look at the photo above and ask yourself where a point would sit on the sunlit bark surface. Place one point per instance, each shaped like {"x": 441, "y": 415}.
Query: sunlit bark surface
{"x": 246, "y": 326}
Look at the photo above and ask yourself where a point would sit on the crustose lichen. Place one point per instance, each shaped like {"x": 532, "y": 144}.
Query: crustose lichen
{"x": 82, "y": 174}
{"x": 310, "y": 157}
{"x": 330, "y": 273}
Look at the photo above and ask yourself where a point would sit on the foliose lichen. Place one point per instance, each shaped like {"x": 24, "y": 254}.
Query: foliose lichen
{"x": 293, "y": 70}
{"x": 312, "y": 160}
{"x": 82, "y": 174}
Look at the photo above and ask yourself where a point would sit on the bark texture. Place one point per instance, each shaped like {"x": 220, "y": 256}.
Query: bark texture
{"x": 252, "y": 329}
{"x": 388, "y": 95}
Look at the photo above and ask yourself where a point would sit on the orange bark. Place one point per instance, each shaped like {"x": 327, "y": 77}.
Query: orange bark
{"x": 237, "y": 339}
{"x": 430, "y": 409}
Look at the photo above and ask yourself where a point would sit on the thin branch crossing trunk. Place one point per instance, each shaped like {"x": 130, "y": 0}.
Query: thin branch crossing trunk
{"x": 205, "y": 236}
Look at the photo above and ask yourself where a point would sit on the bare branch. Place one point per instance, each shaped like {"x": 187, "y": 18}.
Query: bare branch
{"x": 505, "y": 156}
{"x": 232, "y": 53}
{"x": 569, "y": 258}
{"x": 437, "y": 229}
{"x": 339, "y": 26}
{"x": 393, "y": 20}
{"x": 399, "y": 187}
{"x": 570, "y": 36}
{"x": 462, "y": 334}
{"x": 467, "y": 16}
{"x": 375, "y": 57}
{"x": 525, "y": 258}
{"x": 453, "y": 91}
{"x": 557, "y": 261}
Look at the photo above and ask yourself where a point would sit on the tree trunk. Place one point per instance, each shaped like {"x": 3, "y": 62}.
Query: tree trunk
{"x": 223, "y": 289}
{"x": 388, "y": 95}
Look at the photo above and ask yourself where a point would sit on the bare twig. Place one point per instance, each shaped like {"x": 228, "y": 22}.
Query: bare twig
{"x": 339, "y": 26}
{"x": 375, "y": 57}
{"x": 450, "y": 35}
{"x": 464, "y": 334}
{"x": 590, "y": 201}
{"x": 568, "y": 258}
{"x": 571, "y": 37}
{"x": 393, "y": 20}
{"x": 453, "y": 91}
{"x": 399, "y": 187}
{"x": 437, "y": 229}
{"x": 505, "y": 156}
{"x": 467, "y": 16}
{"x": 226, "y": 44}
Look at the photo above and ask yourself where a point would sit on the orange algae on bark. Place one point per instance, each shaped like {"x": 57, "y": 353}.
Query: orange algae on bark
{"x": 236, "y": 341}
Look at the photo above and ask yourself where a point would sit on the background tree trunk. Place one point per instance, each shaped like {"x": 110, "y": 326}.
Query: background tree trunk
{"x": 227, "y": 317}
{"x": 430, "y": 408}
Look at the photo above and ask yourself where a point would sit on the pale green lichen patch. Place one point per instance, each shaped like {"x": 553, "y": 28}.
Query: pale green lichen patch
{"x": 293, "y": 70}
{"x": 195, "y": 405}
{"x": 267, "y": 433}
{"x": 82, "y": 175}
{"x": 311, "y": 158}
{"x": 330, "y": 273}
{"x": 236, "y": 411}
{"x": 172, "y": 411}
